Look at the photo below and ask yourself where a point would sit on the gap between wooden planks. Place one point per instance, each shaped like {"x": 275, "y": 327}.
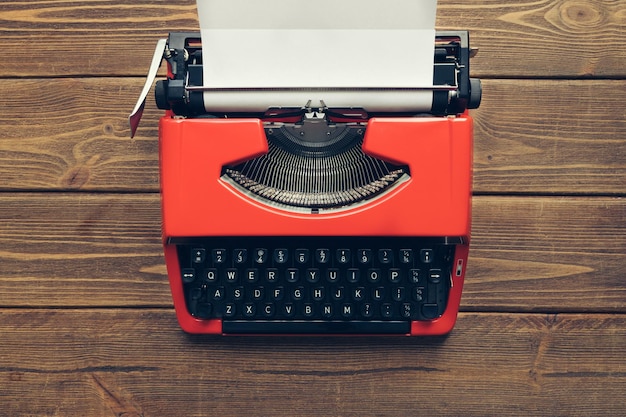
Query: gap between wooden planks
{"x": 527, "y": 254}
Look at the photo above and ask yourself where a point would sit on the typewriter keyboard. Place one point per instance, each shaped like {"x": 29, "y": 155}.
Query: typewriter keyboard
{"x": 316, "y": 284}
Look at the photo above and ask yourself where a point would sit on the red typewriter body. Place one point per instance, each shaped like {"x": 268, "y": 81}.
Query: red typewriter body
{"x": 434, "y": 202}
{"x": 240, "y": 261}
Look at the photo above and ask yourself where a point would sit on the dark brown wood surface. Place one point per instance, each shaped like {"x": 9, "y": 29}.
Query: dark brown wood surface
{"x": 544, "y": 38}
{"x": 105, "y": 362}
{"x": 86, "y": 320}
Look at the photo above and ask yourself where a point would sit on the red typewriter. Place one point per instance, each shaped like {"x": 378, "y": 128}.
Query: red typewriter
{"x": 315, "y": 219}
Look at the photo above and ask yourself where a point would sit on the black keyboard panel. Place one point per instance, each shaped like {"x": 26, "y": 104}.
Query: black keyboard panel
{"x": 316, "y": 284}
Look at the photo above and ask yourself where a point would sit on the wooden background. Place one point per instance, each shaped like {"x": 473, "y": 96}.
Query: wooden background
{"x": 86, "y": 320}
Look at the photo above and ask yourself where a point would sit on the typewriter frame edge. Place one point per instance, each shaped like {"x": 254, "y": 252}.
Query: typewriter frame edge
{"x": 438, "y": 326}
{"x": 171, "y": 228}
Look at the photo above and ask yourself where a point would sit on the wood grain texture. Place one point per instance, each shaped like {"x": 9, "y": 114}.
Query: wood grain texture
{"x": 73, "y": 134}
{"x": 531, "y": 136}
{"x": 527, "y": 254}
{"x": 82, "y": 250}
{"x": 548, "y": 136}
{"x": 545, "y": 38}
{"x": 86, "y": 320}
{"x": 547, "y": 254}
{"x": 137, "y": 363}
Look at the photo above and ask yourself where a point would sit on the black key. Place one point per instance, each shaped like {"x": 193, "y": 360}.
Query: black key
{"x": 373, "y": 275}
{"x": 385, "y": 256}
{"x": 288, "y": 310}
{"x": 302, "y": 256}
{"x": 418, "y": 294}
{"x": 353, "y": 275}
{"x": 230, "y": 310}
{"x": 240, "y": 256}
{"x": 395, "y": 275}
{"x": 249, "y": 310}
{"x": 322, "y": 256}
{"x": 367, "y": 310}
{"x": 198, "y": 255}
{"x": 358, "y": 293}
{"x": 203, "y": 310}
{"x": 268, "y": 310}
{"x": 338, "y": 293}
{"x": 378, "y": 293}
{"x": 271, "y": 274}
{"x": 406, "y": 256}
{"x": 308, "y": 310}
{"x": 216, "y": 293}
{"x": 365, "y": 256}
{"x": 293, "y": 275}
{"x": 280, "y": 256}
{"x": 406, "y": 311}
{"x": 258, "y": 293}
{"x": 252, "y": 275}
{"x": 195, "y": 294}
{"x": 347, "y": 310}
{"x": 313, "y": 275}
{"x": 188, "y": 275}
{"x": 398, "y": 294}
{"x": 434, "y": 276}
{"x": 297, "y": 293}
{"x": 278, "y": 293}
{"x": 386, "y": 310}
{"x": 210, "y": 274}
{"x": 238, "y": 293}
{"x": 318, "y": 293}
{"x": 219, "y": 256}
{"x": 415, "y": 276}
{"x": 430, "y": 311}
{"x": 343, "y": 256}
{"x": 426, "y": 255}
{"x": 260, "y": 256}
{"x": 327, "y": 311}
{"x": 332, "y": 275}
{"x": 232, "y": 275}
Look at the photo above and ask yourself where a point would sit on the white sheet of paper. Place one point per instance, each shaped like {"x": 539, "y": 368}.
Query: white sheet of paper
{"x": 306, "y": 46}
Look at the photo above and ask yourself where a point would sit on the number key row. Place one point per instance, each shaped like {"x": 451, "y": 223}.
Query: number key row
{"x": 280, "y": 256}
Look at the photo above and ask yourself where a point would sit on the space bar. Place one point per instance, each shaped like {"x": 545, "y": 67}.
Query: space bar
{"x": 315, "y": 327}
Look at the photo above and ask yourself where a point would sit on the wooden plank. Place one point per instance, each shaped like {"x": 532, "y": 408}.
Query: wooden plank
{"x": 117, "y": 37}
{"x": 81, "y": 250}
{"x": 547, "y": 254}
{"x": 74, "y": 134}
{"x": 528, "y": 253}
{"x": 544, "y": 38}
{"x": 138, "y": 363}
{"x": 531, "y": 136}
{"x": 547, "y": 136}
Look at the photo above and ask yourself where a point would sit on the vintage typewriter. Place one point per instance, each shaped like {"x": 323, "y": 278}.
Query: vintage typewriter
{"x": 315, "y": 218}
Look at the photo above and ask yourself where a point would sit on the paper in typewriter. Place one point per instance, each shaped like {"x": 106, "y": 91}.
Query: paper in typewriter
{"x": 348, "y": 53}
